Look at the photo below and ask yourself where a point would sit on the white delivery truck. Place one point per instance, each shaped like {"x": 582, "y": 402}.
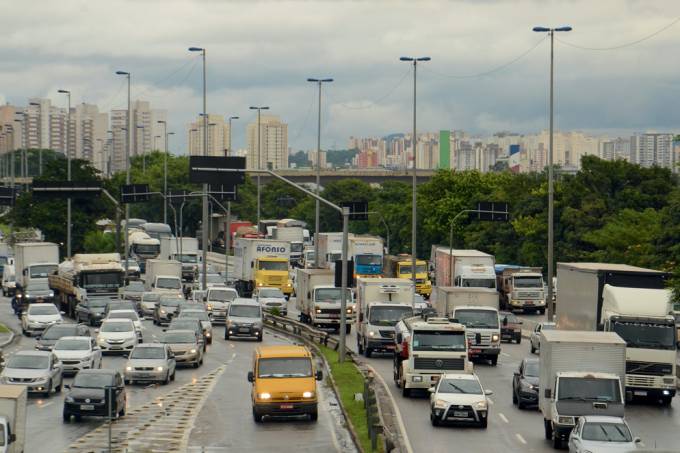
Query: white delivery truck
{"x": 294, "y": 235}
{"x": 330, "y": 249}
{"x": 12, "y": 418}
{"x": 318, "y": 299}
{"x": 477, "y": 309}
{"x": 466, "y": 268}
{"x": 163, "y": 276}
{"x": 34, "y": 261}
{"x": 427, "y": 348}
{"x": 143, "y": 247}
{"x": 580, "y": 374}
{"x": 184, "y": 250}
{"x": 367, "y": 253}
{"x": 261, "y": 262}
{"x": 634, "y": 303}
{"x": 380, "y": 305}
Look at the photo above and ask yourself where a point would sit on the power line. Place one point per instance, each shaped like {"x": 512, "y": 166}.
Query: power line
{"x": 304, "y": 122}
{"x": 621, "y": 46}
{"x": 191, "y": 61}
{"x": 373, "y": 103}
{"x": 490, "y": 71}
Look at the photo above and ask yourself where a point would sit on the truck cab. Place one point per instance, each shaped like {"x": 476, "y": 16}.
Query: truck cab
{"x": 483, "y": 331}
{"x": 326, "y": 300}
{"x": 427, "y": 348}
{"x": 143, "y": 247}
{"x": 399, "y": 266}
{"x": 167, "y": 284}
{"x": 475, "y": 276}
{"x": 272, "y": 271}
{"x": 367, "y": 265}
{"x": 522, "y": 289}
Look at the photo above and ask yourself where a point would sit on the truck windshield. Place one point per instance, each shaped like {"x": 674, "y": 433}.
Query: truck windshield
{"x": 420, "y": 269}
{"x": 273, "y": 265}
{"x": 606, "y": 432}
{"x": 284, "y": 367}
{"x": 333, "y": 257}
{"x": 388, "y": 316}
{"x": 296, "y": 247}
{"x": 168, "y": 283}
{"x": 528, "y": 282}
{"x": 478, "y": 283}
{"x": 484, "y": 319}
{"x": 101, "y": 281}
{"x": 42, "y": 270}
{"x": 588, "y": 389}
{"x": 146, "y": 249}
{"x": 646, "y": 335}
{"x": 438, "y": 341}
{"x": 368, "y": 260}
{"x": 187, "y": 258}
{"x": 331, "y": 295}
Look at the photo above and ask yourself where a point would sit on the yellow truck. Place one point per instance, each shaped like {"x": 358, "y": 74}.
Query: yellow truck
{"x": 399, "y": 266}
{"x": 262, "y": 263}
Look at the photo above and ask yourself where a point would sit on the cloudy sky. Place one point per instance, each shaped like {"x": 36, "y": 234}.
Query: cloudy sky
{"x": 261, "y": 53}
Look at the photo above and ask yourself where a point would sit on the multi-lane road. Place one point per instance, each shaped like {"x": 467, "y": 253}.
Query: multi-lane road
{"x": 223, "y": 422}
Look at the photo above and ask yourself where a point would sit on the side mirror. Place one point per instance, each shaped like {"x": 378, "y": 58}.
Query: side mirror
{"x": 547, "y": 393}
{"x": 520, "y": 322}
{"x": 165, "y": 330}
{"x": 431, "y": 390}
{"x": 399, "y": 338}
{"x": 96, "y": 330}
{"x": 488, "y": 392}
{"x": 515, "y": 373}
{"x": 96, "y": 348}
{"x": 251, "y": 376}
{"x": 637, "y": 440}
{"x": 62, "y": 312}
{"x": 319, "y": 375}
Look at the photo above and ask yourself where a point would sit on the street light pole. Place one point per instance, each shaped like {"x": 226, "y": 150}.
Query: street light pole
{"x": 205, "y": 186}
{"x": 165, "y": 172}
{"x": 128, "y": 127}
{"x": 551, "y": 206}
{"x": 414, "y": 141}
{"x": 318, "y": 172}
{"x": 230, "y": 132}
{"x": 68, "y": 170}
{"x": 259, "y": 157}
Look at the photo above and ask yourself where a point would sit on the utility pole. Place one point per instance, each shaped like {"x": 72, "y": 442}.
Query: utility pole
{"x": 259, "y": 157}
{"x": 68, "y": 170}
{"x": 128, "y": 128}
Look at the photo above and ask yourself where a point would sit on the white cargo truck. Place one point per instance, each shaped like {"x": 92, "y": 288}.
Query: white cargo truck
{"x": 318, "y": 299}
{"x": 261, "y": 262}
{"x": 427, "y": 348}
{"x": 466, "y": 268}
{"x": 184, "y": 250}
{"x": 330, "y": 249}
{"x": 294, "y": 235}
{"x": 12, "y": 418}
{"x": 580, "y": 374}
{"x": 477, "y": 309}
{"x": 163, "y": 276}
{"x": 34, "y": 261}
{"x": 380, "y": 305}
{"x": 634, "y": 303}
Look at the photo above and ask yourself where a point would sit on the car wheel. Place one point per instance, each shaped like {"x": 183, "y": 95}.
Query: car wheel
{"x": 259, "y": 337}
{"x": 46, "y": 394}
{"x": 195, "y": 365}
{"x": 57, "y": 389}
{"x": 405, "y": 392}
{"x": 484, "y": 423}
{"x": 514, "y": 397}
{"x": 24, "y": 331}
{"x": 518, "y": 340}
{"x": 127, "y": 381}
{"x": 166, "y": 381}
{"x": 494, "y": 360}
{"x": 313, "y": 416}
{"x": 533, "y": 350}
{"x": 210, "y": 340}
{"x": 348, "y": 328}
{"x": 66, "y": 416}
{"x": 548, "y": 429}
{"x": 92, "y": 322}
{"x": 360, "y": 348}
{"x": 172, "y": 376}
{"x": 434, "y": 420}
{"x": 257, "y": 417}
{"x": 121, "y": 412}
{"x": 557, "y": 442}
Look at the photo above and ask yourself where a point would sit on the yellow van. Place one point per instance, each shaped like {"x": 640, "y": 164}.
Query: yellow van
{"x": 284, "y": 382}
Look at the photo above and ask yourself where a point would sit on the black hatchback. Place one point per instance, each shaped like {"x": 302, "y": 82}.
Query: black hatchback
{"x": 525, "y": 383}
{"x": 93, "y": 392}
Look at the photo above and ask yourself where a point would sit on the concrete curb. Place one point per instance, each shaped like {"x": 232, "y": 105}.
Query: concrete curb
{"x": 9, "y": 340}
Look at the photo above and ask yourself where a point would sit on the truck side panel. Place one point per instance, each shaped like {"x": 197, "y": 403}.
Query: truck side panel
{"x": 576, "y": 300}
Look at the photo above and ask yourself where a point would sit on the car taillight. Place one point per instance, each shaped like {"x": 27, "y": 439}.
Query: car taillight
{"x": 404, "y": 349}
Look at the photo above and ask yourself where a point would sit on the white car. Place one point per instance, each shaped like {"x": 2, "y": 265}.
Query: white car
{"x": 128, "y": 314}
{"x": 117, "y": 335}
{"x": 272, "y": 298}
{"x": 459, "y": 398}
{"x": 78, "y": 353}
{"x": 594, "y": 433}
{"x": 535, "y": 338}
{"x": 39, "y": 317}
{"x": 39, "y": 371}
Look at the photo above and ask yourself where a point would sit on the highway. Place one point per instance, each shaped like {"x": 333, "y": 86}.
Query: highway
{"x": 223, "y": 423}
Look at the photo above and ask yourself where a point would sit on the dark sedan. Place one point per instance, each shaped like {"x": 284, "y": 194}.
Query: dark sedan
{"x": 54, "y": 332}
{"x": 525, "y": 383}
{"x": 92, "y": 311}
{"x": 511, "y": 327}
{"x": 87, "y": 395}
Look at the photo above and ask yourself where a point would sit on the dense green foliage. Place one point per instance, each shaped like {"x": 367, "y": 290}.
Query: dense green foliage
{"x": 340, "y": 157}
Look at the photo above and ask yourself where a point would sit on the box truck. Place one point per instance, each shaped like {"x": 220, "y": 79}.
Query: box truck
{"x": 330, "y": 249}
{"x": 367, "y": 254}
{"x": 579, "y": 374}
{"x": 261, "y": 262}
{"x": 12, "y": 418}
{"x": 318, "y": 299}
{"x": 467, "y": 268}
{"x": 164, "y": 276}
{"x": 34, "y": 261}
{"x": 184, "y": 250}
{"x": 634, "y": 303}
{"x": 294, "y": 235}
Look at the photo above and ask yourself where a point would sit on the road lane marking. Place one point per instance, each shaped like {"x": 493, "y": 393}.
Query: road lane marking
{"x": 505, "y": 354}
{"x": 503, "y": 417}
{"x": 42, "y": 406}
{"x": 520, "y": 438}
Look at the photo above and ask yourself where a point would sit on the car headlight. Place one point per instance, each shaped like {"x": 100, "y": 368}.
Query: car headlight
{"x": 193, "y": 351}
{"x": 308, "y": 394}
{"x": 159, "y": 368}
{"x": 371, "y": 334}
{"x": 100, "y": 340}
{"x": 440, "y": 404}
{"x": 18, "y": 296}
{"x": 480, "y": 405}
{"x": 128, "y": 368}
{"x": 264, "y": 396}
{"x": 51, "y": 294}
{"x": 565, "y": 420}
{"x": 87, "y": 358}
{"x": 208, "y": 334}
{"x": 162, "y": 312}
{"x": 495, "y": 338}
{"x": 318, "y": 311}
{"x": 69, "y": 399}
{"x": 209, "y": 307}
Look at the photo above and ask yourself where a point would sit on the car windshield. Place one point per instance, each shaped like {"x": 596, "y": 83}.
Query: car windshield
{"x": 183, "y": 324}
{"x": 30, "y": 362}
{"x": 124, "y": 315}
{"x": 200, "y": 315}
{"x": 187, "y": 258}
{"x": 478, "y": 283}
{"x": 463, "y": 386}
{"x": 531, "y": 368}
{"x": 588, "y": 389}
{"x": 646, "y": 335}
{"x": 406, "y": 269}
{"x": 179, "y": 337}
{"x": 171, "y": 302}
{"x": 42, "y": 270}
{"x": 331, "y": 295}
{"x": 273, "y": 265}
{"x": 222, "y": 295}
{"x": 93, "y": 381}
{"x": 438, "y": 341}
{"x": 528, "y": 282}
{"x": 244, "y": 311}
{"x": 98, "y": 303}
{"x": 57, "y": 331}
{"x": 214, "y": 278}
{"x": 120, "y": 306}
{"x": 388, "y": 316}
{"x": 2, "y": 435}
{"x": 270, "y": 292}
{"x": 512, "y": 319}
{"x": 117, "y": 327}
{"x": 151, "y": 297}
{"x": 46, "y": 309}
{"x": 606, "y": 432}
{"x": 147, "y": 353}
{"x": 485, "y": 319}
{"x": 284, "y": 367}
{"x": 135, "y": 286}
{"x": 168, "y": 283}
{"x": 368, "y": 260}
{"x": 69, "y": 344}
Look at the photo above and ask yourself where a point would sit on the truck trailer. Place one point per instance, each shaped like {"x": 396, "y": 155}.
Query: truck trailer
{"x": 34, "y": 261}
{"x": 466, "y": 268}
{"x": 13, "y": 418}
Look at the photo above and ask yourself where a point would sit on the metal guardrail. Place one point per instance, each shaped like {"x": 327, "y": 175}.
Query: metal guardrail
{"x": 303, "y": 330}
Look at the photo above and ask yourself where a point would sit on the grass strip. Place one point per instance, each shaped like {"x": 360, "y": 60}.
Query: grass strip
{"x": 349, "y": 380}
{"x": 4, "y": 329}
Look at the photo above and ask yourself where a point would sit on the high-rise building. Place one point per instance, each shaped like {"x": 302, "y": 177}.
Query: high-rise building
{"x": 652, "y": 149}
{"x": 218, "y": 136}
{"x": 274, "y": 139}
{"x": 145, "y": 127}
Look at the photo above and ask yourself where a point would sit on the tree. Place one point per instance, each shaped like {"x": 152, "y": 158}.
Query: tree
{"x": 99, "y": 242}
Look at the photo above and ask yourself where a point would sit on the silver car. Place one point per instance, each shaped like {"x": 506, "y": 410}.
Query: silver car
{"x": 202, "y": 316}
{"x": 153, "y": 362}
{"x": 594, "y": 433}
{"x": 244, "y": 318}
{"x": 39, "y": 317}
{"x": 185, "y": 345}
{"x": 535, "y": 338}
{"x": 272, "y": 298}
{"x": 148, "y": 303}
{"x": 39, "y": 371}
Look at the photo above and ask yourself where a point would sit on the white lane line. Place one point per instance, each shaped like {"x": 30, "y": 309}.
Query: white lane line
{"x": 505, "y": 354}
{"x": 503, "y": 417}
{"x": 42, "y": 406}
{"x": 520, "y": 438}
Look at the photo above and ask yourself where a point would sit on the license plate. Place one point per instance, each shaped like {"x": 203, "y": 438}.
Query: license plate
{"x": 640, "y": 392}
{"x": 116, "y": 347}
{"x": 529, "y": 302}
{"x": 474, "y": 351}
{"x": 389, "y": 346}
{"x": 40, "y": 299}
{"x": 286, "y": 406}
{"x": 244, "y": 330}
{"x": 460, "y": 414}
{"x": 334, "y": 316}
{"x": 86, "y": 407}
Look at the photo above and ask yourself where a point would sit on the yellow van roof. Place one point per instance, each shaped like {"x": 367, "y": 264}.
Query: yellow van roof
{"x": 283, "y": 351}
